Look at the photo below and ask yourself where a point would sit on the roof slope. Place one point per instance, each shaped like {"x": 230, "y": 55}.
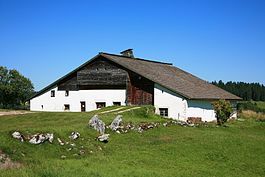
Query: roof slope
{"x": 165, "y": 74}
{"x": 172, "y": 78}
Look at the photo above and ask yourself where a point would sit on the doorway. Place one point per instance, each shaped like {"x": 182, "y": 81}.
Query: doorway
{"x": 83, "y": 106}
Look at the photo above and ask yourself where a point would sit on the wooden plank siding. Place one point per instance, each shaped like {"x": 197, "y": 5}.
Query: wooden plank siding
{"x": 104, "y": 74}
{"x": 140, "y": 91}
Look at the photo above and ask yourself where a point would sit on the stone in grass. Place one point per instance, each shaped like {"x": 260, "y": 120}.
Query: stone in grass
{"x": 116, "y": 123}
{"x": 60, "y": 142}
{"x": 97, "y": 124}
{"x": 74, "y": 135}
{"x": 19, "y": 136}
{"x": 103, "y": 138}
{"x": 41, "y": 138}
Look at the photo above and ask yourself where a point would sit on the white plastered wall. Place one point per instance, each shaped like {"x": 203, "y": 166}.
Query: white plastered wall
{"x": 202, "y": 109}
{"x": 176, "y": 105}
{"x": 180, "y": 108}
{"x": 57, "y": 103}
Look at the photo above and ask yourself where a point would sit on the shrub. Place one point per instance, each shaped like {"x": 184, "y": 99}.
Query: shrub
{"x": 223, "y": 111}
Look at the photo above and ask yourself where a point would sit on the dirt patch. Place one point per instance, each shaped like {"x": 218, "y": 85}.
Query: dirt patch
{"x": 7, "y": 163}
{"x": 3, "y": 113}
{"x": 166, "y": 139}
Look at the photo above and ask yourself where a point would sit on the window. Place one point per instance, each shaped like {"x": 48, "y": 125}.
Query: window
{"x": 163, "y": 112}
{"x": 66, "y": 107}
{"x": 100, "y": 105}
{"x": 66, "y": 92}
{"x": 116, "y": 103}
{"x": 53, "y": 93}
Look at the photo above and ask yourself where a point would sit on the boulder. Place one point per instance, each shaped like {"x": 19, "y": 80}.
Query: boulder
{"x": 97, "y": 124}
{"x": 41, "y": 138}
{"x": 19, "y": 136}
{"x": 74, "y": 135}
{"x": 103, "y": 138}
{"x": 116, "y": 123}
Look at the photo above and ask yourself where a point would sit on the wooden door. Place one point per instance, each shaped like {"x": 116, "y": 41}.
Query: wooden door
{"x": 83, "y": 106}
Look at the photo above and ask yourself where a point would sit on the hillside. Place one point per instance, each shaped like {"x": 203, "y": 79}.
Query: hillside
{"x": 236, "y": 150}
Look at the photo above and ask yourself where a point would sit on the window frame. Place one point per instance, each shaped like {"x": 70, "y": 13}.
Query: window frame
{"x": 116, "y": 103}
{"x": 99, "y": 103}
{"x": 65, "y": 106}
{"x": 66, "y": 93}
{"x": 52, "y": 93}
{"x": 163, "y": 112}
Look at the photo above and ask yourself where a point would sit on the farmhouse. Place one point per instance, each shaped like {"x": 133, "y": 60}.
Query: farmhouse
{"x": 110, "y": 79}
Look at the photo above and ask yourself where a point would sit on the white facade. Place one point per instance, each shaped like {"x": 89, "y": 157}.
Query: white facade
{"x": 180, "y": 108}
{"x": 45, "y": 102}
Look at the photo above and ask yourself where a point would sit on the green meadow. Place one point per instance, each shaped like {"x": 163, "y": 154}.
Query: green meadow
{"x": 237, "y": 149}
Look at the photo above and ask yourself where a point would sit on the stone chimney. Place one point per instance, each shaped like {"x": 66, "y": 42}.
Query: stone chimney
{"x": 128, "y": 53}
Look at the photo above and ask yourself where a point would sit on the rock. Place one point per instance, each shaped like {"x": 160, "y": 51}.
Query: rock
{"x": 41, "y": 138}
{"x": 60, "y": 141}
{"x": 19, "y": 136}
{"x": 50, "y": 137}
{"x": 38, "y": 139}
{"x": 97, "y": 124}
{"x": 116, "y": 123}
{"x": 103, "y": 138}
{"x": 74, "y": 135}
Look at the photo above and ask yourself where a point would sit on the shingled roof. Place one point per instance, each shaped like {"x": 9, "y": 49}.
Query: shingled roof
{"x": 172, "y": 78}
{"x": 164, "y": 74}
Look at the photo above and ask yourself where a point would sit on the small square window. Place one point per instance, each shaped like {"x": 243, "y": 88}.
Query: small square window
{"x": 53, "y": 93}
{"x": 100, "y": 105}
{"x": 163, "y": 112}
{"x": 66, "y": 92}
{"x": 66, "y": 107}
{"x": 116, "y": 103}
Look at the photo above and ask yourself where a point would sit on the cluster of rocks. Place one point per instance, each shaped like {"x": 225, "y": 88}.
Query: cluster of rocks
{"x": 40, "y": 138}
{"x": 34, "y": 139}
{"x": 99, "y": 126}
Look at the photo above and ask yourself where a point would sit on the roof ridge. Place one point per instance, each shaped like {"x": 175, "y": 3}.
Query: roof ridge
{"x": 142, "y": 59}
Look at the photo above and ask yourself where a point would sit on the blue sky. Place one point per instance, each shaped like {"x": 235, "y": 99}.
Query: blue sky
{"x": 212, "y": 39}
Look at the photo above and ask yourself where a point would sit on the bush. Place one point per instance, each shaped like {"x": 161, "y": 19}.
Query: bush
{"x": 223, "y": 111}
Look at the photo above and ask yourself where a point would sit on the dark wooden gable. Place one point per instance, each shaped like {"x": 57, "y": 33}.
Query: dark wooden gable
{"x": 99, "y": 74}
{"x": 104, "y": 74}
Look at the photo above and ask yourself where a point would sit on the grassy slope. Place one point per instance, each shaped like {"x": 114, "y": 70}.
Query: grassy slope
{"x": 166, "y": 151}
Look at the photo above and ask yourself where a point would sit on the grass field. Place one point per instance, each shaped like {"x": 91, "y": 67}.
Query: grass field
{"x": 236, "y": 150}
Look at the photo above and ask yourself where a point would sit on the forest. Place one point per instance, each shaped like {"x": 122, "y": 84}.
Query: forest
{"x": 247, "y": 91}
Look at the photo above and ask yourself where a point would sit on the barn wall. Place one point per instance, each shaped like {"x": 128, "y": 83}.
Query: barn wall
{"x": 176, "y": 105}
{"x": 99, "y": 74}
{"x": 140, "y": 91}
{"x": 180, "y": 108}
{"x": 56, "y": 103}
{"x": 200, "y": 108}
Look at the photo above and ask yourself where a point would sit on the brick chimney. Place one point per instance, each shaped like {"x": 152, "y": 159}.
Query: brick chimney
{"x": 128, "y": 53}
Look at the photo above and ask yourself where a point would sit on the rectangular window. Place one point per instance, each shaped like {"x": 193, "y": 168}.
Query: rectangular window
{"x": 53, "y": 93}
{"x": 66, "y": 92}
{"x": 66, "y": 107}
{"x": 163, "y": 112}
{"x": 100, "y": 105}
{"x": 116, "y": 103}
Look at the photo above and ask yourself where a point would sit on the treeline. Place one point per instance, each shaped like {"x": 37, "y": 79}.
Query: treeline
{"x": 15, "y": 89}
{"x": 247, "y": 91}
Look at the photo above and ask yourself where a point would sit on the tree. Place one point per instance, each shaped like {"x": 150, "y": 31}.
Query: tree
{"x": 15, "y": 89}
{"x": 223, "y": 111}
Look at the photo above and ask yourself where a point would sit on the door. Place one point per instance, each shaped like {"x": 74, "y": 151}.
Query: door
{"x": 83, "y": 106}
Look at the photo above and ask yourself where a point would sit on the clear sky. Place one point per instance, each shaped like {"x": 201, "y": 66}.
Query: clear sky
{"x": 212, "y": 39}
